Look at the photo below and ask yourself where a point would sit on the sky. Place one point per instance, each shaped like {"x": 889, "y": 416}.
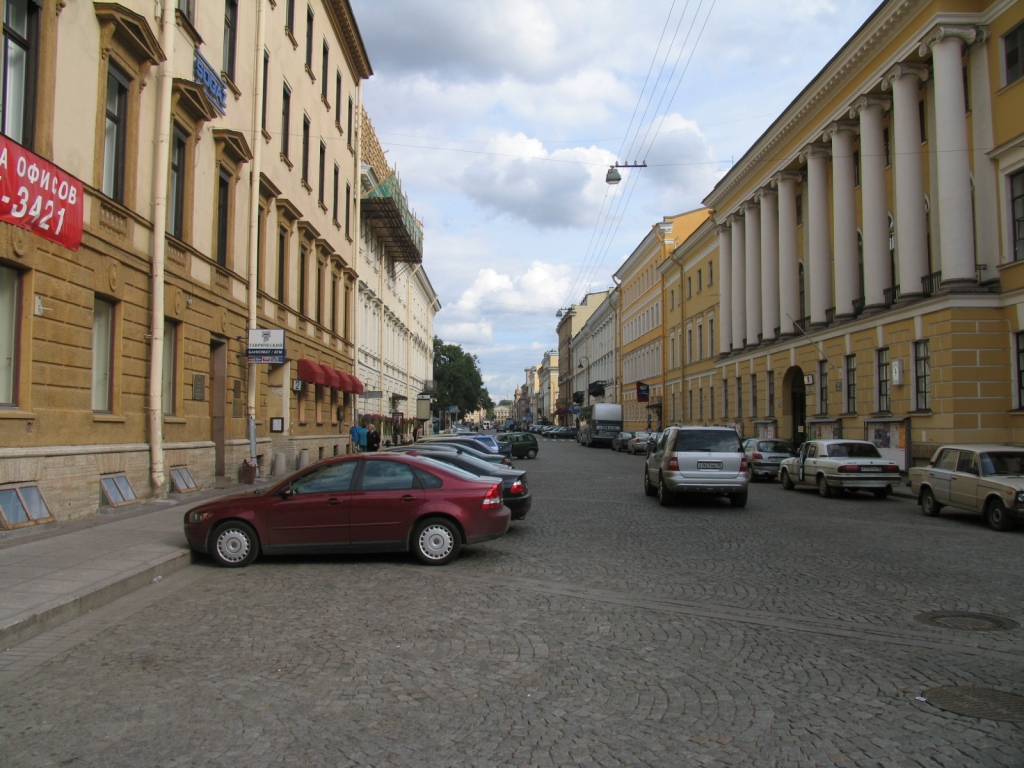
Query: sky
{"x": 502, "y": 117}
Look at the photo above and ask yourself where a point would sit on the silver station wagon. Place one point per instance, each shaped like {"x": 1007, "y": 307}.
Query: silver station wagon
{"x": 700, "y": 460}
{"x": 835, "y": 466}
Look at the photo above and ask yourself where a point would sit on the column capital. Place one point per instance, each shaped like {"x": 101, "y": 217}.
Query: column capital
{"x": 781, "y": 176}
{"x": 869, "y": 102}
{"x": 839, "y": 126}
{"x": 966, "y": 34}
{"x": 814, "y": 150}
{"x": 920, "y": 71}
{"x": 764, "y": 192}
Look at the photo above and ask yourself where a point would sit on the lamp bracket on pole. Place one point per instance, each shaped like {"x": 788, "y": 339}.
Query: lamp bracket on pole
{"x": 614, "y": 177}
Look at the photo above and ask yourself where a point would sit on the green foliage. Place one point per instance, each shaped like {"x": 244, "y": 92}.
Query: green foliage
{"x": 457, "y": 379}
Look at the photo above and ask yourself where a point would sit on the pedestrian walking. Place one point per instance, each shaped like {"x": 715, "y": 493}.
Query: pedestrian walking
{"x": 372, "y": 439}
{"x": 353, "y": 434}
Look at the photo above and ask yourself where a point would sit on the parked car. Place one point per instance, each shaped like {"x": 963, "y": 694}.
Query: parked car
{"x": 620, "y": 440}
{"x": 638, "y": 443}
{"x": 524, "y": 444}
{"x": 515, "y": 492}
{"x": 697, "y": 460}
{"x": 493, "y": 443}
{"x": 987, "y": 479}
{"x": 765, "y": 455}
{"x": 468, "y": 445}
{"x": 652, "y": 441}
{"x": 382, "y": 502}
{"x": 836, "y": 466}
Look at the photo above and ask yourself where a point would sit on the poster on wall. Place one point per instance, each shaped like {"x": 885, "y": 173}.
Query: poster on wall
{"x": 766, "y": 430}
{"x": 890, "y": 438}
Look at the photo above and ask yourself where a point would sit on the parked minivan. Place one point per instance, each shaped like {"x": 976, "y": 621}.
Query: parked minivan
{"x": 702, "y": 460}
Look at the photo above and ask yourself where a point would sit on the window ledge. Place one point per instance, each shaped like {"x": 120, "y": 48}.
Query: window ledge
{"x": 266, "y": 136}
{"x": 326, "y": 103}
{"x": 230, "y": 83}
{"x": 16, "y": 414}
{"x": 174, "y": 420}
{"x": 309, "y": 71}
{"x": 322, "y": 205}
{"x": 295, "y": 43}
{"x": 109, "y": 418}
{"x": 338, "y": 126}
{"x": 305, "y": 186}
{"x": 286, "y": 161}
{"x": 921, "y": 412}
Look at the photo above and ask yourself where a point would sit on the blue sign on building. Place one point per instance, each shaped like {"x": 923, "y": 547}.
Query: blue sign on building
{"x": 207, "y": 77}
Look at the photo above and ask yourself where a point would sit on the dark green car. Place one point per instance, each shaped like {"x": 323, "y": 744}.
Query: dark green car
{"x": 524, "y": 444}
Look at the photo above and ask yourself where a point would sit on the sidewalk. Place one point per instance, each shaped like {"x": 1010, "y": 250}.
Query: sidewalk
{"x": 57, "y": 572}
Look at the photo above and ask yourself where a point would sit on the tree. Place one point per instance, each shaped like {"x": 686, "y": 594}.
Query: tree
{"x": 457, "y": 378}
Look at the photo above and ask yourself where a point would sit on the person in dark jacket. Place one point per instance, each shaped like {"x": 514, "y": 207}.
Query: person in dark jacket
{"x": 372, "y": 439}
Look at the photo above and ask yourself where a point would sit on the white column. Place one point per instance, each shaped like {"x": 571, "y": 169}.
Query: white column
{"x": 986, "y": 184}
{"x": 846, "y": 266}
{"x": 725, "y": 291}
{"x": 956, "y": 225}
{"x": 752, "y": 229}
{"x": 873, "y": 197}
{"x": 819, "y": 258}
{"x": 789, "y": 264}
{"x": 769, "y": 262}
{"x": 739, "y": 295}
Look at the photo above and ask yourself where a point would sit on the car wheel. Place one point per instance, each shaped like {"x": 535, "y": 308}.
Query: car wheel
{"x": 928, "y": 503}
{"x": 882, "y": 493}
{"x": 532, "y": 453}
{"x": 738, "y": 499}
{"x": 234, "y": 544}
{"x": 787, "y": 484}
{"x": 997, "y": 517}
{"x": 665, "y": 496}
{"x": 436, "y": 541}
{"x": 823, "y": 489}
{"x": 751, "y": 477}
{"x": 649, "y": 490}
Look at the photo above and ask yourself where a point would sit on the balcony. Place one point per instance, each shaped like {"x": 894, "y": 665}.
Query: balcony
{"x": 891, "y": 295}
{"x": 930, "y": 283}
{"x": 386, "y": 209}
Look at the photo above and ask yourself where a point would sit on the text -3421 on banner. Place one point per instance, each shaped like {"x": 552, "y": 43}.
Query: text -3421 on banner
{"x": 38, "y": 196}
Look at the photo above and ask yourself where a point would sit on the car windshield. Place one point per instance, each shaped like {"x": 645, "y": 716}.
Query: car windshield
{"x": 853, "y": 451}
{"x": 712, "y": 441}
{"x": 774, "y": 446}
{"x": 1002, "y": 463}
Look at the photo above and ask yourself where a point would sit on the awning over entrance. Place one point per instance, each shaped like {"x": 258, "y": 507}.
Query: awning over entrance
{"x": 311, "y": 372}
{"x": 333, "y": 377}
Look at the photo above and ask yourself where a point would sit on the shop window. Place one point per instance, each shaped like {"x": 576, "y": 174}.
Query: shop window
{"x": 22, "y": 505}
{"x": 102, "y": 355}
{"x": 117, "y": 491}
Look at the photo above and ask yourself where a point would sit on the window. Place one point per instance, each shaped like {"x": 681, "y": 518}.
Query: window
{"x": 799, "y": 210}
{"x": 689, "y": 287}
{"x": 323, "y": 78}
{"x": 387, "y": 476}
{"x": 348, "y": 210}
{"x": 700, "y": 281}
{"x": 1017, "y": 203}
{"x": 886, "y": 147}
{"x": 851, "y": 383}
{"x": 21, "y": 41}
{"x": 1020, "y": 370}
{"x": 823, "y": 386}
{"x": 689, "y": 345}
{"x": 223, "y": 215}
{"x": 309, "y": 39}
{"x": 176, "y": 194}
{"x": 334, "y": 303}
{"x": 117, "y": 491}
{"x": 320, "y": 267}
{"x": 337, "y": 174}
{"x": 334, "y": 478}
{"x": 102, "y": 355}
{"x": 711, "y": 273}
{"x": 286, "y": 119}
{"x": 303, "y": 265}
{"x": 922, "y": 376}
{"x": 689, "y": 404}
{"x": 169, "y": 387}
{"x": 700, "y": 404}
{"x": 115, "y": 133}
{"x": 725, "y": 398}
{"x": 700, "y": 342}
{"x": 305, "y": 151}
{"x": 22, "y": 505}
{"x": 9, "y": 321}
{"x": 712, "y": 404}
{"x": 182, "y": 480}
{"x": 856, "y": 167}
{"x": 1013, "y": 47}
{"x": 883, "y": 379}
{"x": 323, "y": 174}
{"x": 753, "y": 395}
{"x": 711, "y": 337}
{"x": 739, "y": 397}
{"x": 289, "y": 16}
{"x": 921, "y": 120}
{"x": 337, "y": 99}
{"x": 351, "y": 117}
{"x": 230, "y": 36}
{"x": 266, "y": 76}
{"x": 770, "y": 382}
{"x": 188, "y": 9}
{"x": 282, "y": 262}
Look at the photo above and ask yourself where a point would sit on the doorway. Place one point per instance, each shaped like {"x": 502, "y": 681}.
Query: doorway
{"x": 218, "y": 401}
{"x": 795, "y": 402}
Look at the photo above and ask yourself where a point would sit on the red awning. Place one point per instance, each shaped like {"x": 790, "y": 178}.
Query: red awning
{"x": 333, "y": 377}
{"x": 311, "y": 372}
{"x": 357, "y": 384}
{"x": 348, "y": 383}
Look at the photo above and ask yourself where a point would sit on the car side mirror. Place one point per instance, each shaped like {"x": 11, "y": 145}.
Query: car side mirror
{"x": 287, "y": 493}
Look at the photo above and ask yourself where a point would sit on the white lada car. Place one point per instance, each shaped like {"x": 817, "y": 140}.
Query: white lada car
{"x": 835, "y": 466}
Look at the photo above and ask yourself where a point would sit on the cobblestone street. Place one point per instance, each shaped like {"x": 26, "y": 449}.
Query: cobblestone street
{"x": 603, "y": 630}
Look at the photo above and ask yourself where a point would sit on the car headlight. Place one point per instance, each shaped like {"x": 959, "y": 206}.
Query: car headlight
{"x": 197, "y": 516}
{"x": 1020, "y": 497}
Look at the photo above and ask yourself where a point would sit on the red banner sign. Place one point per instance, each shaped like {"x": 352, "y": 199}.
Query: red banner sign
{"x": 38, "y": 196}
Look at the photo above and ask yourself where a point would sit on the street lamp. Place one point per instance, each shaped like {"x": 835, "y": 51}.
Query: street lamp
{"x": 614, "y": 177}
{"x": 586, "y": 399}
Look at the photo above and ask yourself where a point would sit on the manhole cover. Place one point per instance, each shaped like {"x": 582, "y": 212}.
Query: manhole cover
{"x": 972, "y": 701}
{"x": 972, "y": 622}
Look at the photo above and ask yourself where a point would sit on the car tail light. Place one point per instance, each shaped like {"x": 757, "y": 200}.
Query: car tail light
{"x": 847, "y": 468}
{"x": 493, "y": 498}
{"x": 517, "y": 488}
{"x": 743, "y": 464}
{"x": 892, "y": 468}
{"x": 756, "y": 456}
{"x": 673, "y": 464}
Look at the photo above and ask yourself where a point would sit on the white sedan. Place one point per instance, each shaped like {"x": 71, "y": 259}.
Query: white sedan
{"x": 835, "y": 466}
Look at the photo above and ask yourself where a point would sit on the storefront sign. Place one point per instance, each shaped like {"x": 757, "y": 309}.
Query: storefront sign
{"x": 266, "y": 345}
{"x": 40, "y": 197}
{"x": 207, "y": 77}
{"x": 643, "y": 392}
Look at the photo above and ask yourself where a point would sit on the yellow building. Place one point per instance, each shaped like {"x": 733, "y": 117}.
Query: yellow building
{"x": 867, "y": 249}
{"x": 570, "y": 321}
{"x": 216, "y": 153}
{"x": 642, "y": 297}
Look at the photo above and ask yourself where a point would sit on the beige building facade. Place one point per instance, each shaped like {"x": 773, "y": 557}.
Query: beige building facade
{"x": 218, "y": 153}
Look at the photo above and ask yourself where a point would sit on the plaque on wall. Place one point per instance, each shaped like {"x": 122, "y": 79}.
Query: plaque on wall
{"x": 199, "y": 386}
{"x": 237, "y": 408}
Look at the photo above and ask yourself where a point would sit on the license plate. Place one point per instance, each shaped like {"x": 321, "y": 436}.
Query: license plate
{"x": 774, "y": 459}
{"x": 870, "y": 469}
{"x": 709, "y": 465}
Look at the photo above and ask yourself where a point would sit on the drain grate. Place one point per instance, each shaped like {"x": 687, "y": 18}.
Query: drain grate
{"x": 971, "y": 622}
{"x": 973, "y": 701}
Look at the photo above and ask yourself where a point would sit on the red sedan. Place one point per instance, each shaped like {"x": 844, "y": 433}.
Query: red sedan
{"x": 363, "y": 503}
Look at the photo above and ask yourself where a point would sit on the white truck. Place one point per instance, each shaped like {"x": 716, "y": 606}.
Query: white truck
{"x": 599, "y": 424}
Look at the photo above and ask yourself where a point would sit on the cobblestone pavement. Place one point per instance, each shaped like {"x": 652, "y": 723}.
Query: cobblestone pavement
{"x": 604, "y": 630}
